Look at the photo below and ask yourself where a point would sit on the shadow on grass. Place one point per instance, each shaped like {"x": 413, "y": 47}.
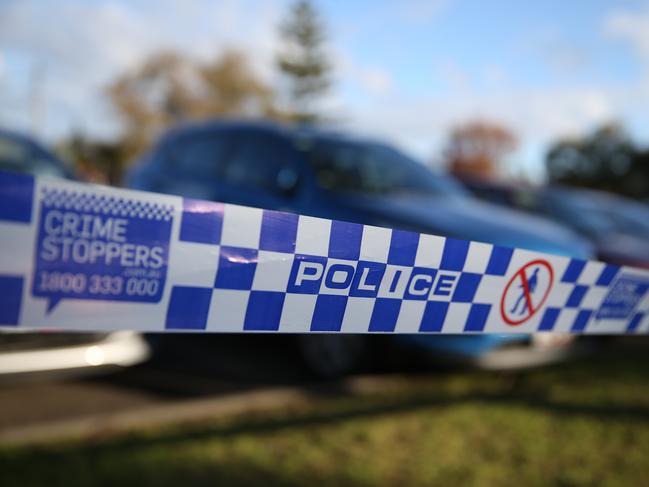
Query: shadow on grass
{"x": 100, "y": 461}
{"x": 410, "y": 404}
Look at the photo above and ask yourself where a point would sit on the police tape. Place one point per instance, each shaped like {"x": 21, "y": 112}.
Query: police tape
{"x": 77, "y": 256}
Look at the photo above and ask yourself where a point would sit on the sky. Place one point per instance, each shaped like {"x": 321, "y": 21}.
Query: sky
{"x": 407, "y": 71}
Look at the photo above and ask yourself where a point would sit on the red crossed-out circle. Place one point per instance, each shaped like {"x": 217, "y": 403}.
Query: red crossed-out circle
{"x": 531, "y": 309}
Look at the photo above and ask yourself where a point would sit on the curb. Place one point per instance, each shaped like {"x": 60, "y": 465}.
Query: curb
{"x": 188, "y": 411}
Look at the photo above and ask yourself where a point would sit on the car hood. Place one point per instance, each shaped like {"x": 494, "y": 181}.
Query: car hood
{"x": 466, "y": 218}
{"x": 622, "y": 248}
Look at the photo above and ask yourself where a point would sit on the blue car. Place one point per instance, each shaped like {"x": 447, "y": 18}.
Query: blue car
{"x": 336, "y": 176}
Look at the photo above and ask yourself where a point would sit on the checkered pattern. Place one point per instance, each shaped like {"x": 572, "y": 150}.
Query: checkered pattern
{"x": 234, "y": 268}
{"x": 104, "y": 204}
{"x": 374, "y": 279}
{"x": 577, "y": 299}
{"x": 578, "y": 294}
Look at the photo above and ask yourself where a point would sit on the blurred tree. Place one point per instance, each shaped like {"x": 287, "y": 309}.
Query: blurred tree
{"x": 476, "y": 149}
{"x": 169, "y": 88}
{"x": 160, "y": 92}
{"x": 606, "y": 159}
{"x": 97, "y": 162}
{"x": 232, "y": 89}
{"x": 635, "y": 183}
{"x": 303, "y": 61}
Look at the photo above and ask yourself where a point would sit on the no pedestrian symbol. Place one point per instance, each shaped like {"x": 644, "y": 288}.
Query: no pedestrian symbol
{"x": 526, "y": 292}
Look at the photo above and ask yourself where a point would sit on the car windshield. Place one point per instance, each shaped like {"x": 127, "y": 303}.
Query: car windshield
{"x": 590, "y": 215}
{"x": 19, "y": 156}
{"x": 370, "y": 168}
{"x": 608, "y": 214}
{"x": 579, "y": 213}
{"x": 632, "y": 216}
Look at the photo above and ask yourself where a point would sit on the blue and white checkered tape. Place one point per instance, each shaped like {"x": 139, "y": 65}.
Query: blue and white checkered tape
{"x": 84, "y": 257}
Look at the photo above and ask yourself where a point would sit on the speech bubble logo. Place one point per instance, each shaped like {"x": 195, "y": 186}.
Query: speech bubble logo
{"x": 51, "y": 304}
{"x": 100, "y": 247}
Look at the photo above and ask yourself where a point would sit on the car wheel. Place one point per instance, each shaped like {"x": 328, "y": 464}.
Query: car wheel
{"x": 330, "y": 355}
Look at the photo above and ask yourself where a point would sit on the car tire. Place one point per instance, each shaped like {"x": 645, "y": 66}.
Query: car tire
{"x": 330, "y": 356}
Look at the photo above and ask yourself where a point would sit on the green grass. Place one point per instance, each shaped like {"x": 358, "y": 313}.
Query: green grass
{"x": 584, "y": 423}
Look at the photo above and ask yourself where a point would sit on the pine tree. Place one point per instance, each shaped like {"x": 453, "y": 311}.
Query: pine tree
{"x": 303, "y": 61}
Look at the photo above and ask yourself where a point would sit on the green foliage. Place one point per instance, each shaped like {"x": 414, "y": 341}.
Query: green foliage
{"x": 607, "y": 159}
{"x": 303, "y": 60}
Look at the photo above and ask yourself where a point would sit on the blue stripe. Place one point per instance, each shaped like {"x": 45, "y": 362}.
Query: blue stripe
{"x": 345, "y": 240}
{"x": 188, "y": 308}
{"x": 466, "y": 287}
{"x": 236, "y": 268}
{"x": 499, "y": 261}
{"x": 549, "y": 319}
{"x": 328, "y": 313}
{"x": 607, "y": 275}
{"x": 278, "y": 231}
{"x": 403, "y": 248}
{"x": 264, "y": 311}
{"x": 454, "y": 255}
{"x": 576, "y": 296}
{"x": 633, "y": 325}
{"x": 16, "y": 196}
{"x": 11, "y": 295}
{"x": 202, "y": 222}
{"x": 477, "y": 318}
{"x": 434, "y": 316}
{"x": 385, "y": 314}
{"x": 573, "y": 271}
{"x": 581, "y": 320}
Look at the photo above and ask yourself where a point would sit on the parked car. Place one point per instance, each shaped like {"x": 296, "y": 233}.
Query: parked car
{"x": 632, "y": 216}
{"x": 618, "y": 227}
{"x": 26, "y": 353}
{"x": 336, "y": 176}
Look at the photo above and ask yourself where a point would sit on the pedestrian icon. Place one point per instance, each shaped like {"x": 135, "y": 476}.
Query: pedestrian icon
{"x": 523, "y": 298}
{"x": 526, "y": 292}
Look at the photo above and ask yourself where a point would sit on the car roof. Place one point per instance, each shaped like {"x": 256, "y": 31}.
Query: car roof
{"x": 35, "y": 145}
{"x": 592, "y": 196}
{"x": 285, "y": 129}
{"x": 18, "y": 137}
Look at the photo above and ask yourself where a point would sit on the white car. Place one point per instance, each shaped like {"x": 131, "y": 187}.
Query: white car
{"x": 27, "y": 353}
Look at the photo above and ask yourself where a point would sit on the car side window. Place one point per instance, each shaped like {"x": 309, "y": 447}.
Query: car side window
{"x": 201, "y": 155}
{"x": 23, "y": 157}
{"x": 257, "y": 160}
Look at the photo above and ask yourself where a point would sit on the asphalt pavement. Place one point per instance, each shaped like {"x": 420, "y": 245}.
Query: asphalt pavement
{"x": 183, "y": 367}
